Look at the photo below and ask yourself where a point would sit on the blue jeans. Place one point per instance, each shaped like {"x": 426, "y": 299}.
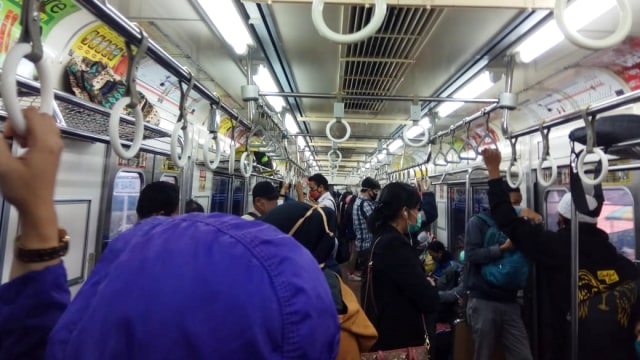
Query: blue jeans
{"x": 332, "y": 265}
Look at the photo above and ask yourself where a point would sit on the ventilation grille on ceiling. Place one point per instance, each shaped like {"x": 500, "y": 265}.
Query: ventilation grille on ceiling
{"x": 376, "y": 66}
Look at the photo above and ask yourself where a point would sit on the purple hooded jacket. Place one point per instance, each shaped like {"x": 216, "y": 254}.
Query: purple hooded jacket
{"x": 192, "y": 287}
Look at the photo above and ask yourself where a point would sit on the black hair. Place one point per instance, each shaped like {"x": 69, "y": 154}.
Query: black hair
{"x": 391, "y": 200}
{"x": 193, "y": 206}
{"x": 438, "y": 247}
{"x": 159, "y": 197}
{"x": 320, "y": 180}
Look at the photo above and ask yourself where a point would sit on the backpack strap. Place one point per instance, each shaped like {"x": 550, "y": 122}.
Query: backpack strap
{"x": 302, "y": 219}
{"x": 486, "y": 219}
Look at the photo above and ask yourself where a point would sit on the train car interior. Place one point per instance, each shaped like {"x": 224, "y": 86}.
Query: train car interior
{"x": 215, "y": 96}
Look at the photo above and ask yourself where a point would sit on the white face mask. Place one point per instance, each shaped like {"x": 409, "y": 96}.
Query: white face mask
{"x": 280, "y": 202}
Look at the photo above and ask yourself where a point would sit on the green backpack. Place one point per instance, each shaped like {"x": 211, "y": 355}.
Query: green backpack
{"x": 511, "y": 270}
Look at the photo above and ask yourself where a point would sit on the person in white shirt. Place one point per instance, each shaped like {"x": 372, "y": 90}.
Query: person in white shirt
{"x": 319, "y": 192}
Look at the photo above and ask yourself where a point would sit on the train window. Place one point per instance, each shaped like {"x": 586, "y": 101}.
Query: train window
{"x": 169, "y": 178}
{"x": 551, "y": 200}
{"x": 617, "y": 219}
{"x": 220, "y": 198}
{"x": 126, "y": 190}
{"x": 480, "y": 199}
{"x": 237, "y": 206}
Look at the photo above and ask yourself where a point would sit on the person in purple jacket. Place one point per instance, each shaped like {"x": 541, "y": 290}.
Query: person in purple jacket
{"x": 192, "y": 287}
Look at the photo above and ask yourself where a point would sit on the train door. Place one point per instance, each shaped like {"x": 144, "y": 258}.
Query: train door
{"x": 77, "y": 201}
{"x": 458, "y": 215}
{"x": 220, "y": 193}
{"x": 238, "y": 196}
{"x": 123, "y": 182}
{"x": 201, "y": 188}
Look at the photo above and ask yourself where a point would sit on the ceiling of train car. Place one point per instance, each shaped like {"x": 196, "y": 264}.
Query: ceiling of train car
{"x": 416, "y": 52}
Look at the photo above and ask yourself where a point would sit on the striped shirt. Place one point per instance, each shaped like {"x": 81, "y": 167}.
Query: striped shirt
{"x": 363, "y": 236}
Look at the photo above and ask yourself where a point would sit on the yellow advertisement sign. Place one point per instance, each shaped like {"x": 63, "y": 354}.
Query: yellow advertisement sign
{"x": 169, "y": 166}
{"x": 100, "y": 43}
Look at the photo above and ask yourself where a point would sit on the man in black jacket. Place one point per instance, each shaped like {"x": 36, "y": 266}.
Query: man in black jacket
{"x": 607, "y": 281}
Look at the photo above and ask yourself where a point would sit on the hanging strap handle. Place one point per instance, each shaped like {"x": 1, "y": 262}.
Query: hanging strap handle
{"x": 130, "y": 100}
{"x": 182, "y": 125}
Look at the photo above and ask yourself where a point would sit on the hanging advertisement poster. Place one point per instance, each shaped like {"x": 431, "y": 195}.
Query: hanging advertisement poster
{"x": 100, "y": 43}
{"x": 54, "y": 12}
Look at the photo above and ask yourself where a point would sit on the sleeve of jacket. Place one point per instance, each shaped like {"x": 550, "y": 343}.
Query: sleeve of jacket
{"x": 30, "y": 307}
{"x": 532, "y": 240}
{"x": 410, "y": 280}
{"x": 474, "y": 250}
{"x": 451, "y": 296}
{"x": 429, "y": 207}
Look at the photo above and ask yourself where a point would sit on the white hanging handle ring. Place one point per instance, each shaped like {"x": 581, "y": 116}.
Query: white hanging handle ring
{"x": 554, "y": 171}
{"x": 520, "y": 175}
{"x": 207, "y": 157}
{"x": 603, "y": 173}
{"x": 336, "y": 153}
{"x": 623, "y": 30}
{"x": 246, "y": 164}
{"x": 419, "y": 143}
{"x": 374, "y": 24}
{"x": 10, "y": 88}
{"x": 114, "y": 129}
{"x": 180, "y": 160}
{"x": 546, "y": 156}
{"x": 131, "y": 100}
{"x": 346, "y": 136}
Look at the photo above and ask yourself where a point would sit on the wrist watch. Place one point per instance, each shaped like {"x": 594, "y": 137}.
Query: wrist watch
{"x": 41, "y": 255}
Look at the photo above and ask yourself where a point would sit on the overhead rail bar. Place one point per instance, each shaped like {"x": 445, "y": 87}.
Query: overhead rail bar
{"x": 601, "y": 107}
{"x": 131, "y": 100}
{"x": 469, "y": 119}
{"x": 354, "y": 137}
{"x": 376, "y": 97}
{"x": 127, "y": 30}
{"x": 28, "y": 46}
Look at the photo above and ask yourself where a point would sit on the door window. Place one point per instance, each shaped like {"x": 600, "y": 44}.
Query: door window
{"x": 126, "y": 190}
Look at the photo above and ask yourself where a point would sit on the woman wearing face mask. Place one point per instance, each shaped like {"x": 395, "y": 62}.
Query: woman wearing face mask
{"x": 397, "y": 296}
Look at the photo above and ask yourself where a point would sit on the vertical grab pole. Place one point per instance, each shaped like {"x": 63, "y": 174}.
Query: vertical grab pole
{"x": 575, "y": 266}
{"x": 507, "y": 101}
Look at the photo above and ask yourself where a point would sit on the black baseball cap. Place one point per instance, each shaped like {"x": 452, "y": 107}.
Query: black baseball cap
{"x": 265, "y": 190}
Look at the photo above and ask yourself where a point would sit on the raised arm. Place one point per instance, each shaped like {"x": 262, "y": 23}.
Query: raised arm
{"x": 36, "y": 296}
{"x": 532, "y": 240}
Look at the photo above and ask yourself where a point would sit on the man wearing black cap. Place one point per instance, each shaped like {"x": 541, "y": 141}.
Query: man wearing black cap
{"x": 362, "y": 208}
{"x": 265, "y": 198}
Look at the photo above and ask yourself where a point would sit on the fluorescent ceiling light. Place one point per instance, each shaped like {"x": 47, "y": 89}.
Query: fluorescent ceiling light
{"x": 578, "y": 15}
{"x": 290, "y": 124}
{"x": 367, "y": 166}
{"x": 395, "y": 145}
{"x": 301, "y": 142}
{"x": 265, "y": 82}
{"x": 225, "y": 17}
{"x": 472, "y": 89}
{"x": 381, "y": 156}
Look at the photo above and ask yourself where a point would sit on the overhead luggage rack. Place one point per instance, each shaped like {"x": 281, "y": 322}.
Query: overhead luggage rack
{"x": 77, "y": 116}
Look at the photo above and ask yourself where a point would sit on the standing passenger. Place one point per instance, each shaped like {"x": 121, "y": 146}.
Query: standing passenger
{"x": 159, "y": 198}
{"x": 608, "y": 291}
{"x": 492, "y": 311}
{"x": 361, "y": 210}
{"x": 193, "y": 206}
{"x": 319, "y": 192}
{"x": 265, "y": 197}
{"x": 398, "y": 298}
